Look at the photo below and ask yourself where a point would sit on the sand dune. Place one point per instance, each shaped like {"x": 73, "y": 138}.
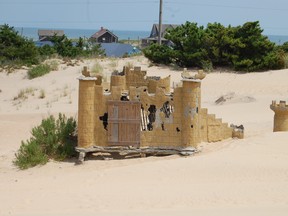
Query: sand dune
{"x": 232, "y": 177}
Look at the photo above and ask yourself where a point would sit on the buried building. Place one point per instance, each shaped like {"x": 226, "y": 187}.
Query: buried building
{"x": 140, "y": 115}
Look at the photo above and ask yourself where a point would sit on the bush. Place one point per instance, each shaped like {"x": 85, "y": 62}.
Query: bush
{"x": 285, "y": 58}
{"x": 243, "y": 47}
{"x": 284, "y": 46}
{"x": 158, "y": 54}
{"x": 15, "y": 49}
{"x": 38, "y": 71}
{"x": 47, "y": 51}
{"x": 30, "y": 154}
{"x": 52, "y": 139}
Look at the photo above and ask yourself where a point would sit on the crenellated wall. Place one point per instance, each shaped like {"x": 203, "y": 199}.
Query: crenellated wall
{"x": 168, "y": 120}
{"x": 137, "y": 78}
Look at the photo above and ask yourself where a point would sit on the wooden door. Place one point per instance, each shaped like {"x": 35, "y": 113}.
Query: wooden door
{"x": 124, "y": 119}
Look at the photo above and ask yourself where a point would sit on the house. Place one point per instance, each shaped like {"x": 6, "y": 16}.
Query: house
{"x": 139, "y": 114}
{"x": 47, "y": 35}
{"x": 119, "y": 49}
{"x": 104, "y": 36}
{"x": 153, "y": 38}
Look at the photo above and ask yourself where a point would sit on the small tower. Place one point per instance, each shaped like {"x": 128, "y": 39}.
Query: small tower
{"x": 86, "y": 109}
{"x": 191, "y": 93}
{"x": 280, "y": 116}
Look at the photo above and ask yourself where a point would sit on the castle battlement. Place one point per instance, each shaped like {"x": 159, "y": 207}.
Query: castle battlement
{"x": 142, "y": 113}
{"x": 282, "y": 106}
{"x": 280, "y": 116}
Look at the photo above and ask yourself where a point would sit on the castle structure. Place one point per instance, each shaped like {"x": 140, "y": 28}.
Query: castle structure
{"x": 141, "y": 112}
{"x": 280, "y": 116}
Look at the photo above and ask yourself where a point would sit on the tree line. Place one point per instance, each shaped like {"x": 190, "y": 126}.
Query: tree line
{"x": 18, "y": 50}
{"x": 243, "y": 48}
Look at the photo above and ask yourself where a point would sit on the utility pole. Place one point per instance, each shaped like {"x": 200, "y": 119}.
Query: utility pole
{"x": 160, "y": 23}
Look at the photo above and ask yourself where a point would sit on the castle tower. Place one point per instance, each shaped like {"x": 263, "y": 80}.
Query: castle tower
{"x": 280, "y": 116}
{"x": 86, "y": 116}
{"x": 117, "y": 80}
{"x": 191, "y": 94}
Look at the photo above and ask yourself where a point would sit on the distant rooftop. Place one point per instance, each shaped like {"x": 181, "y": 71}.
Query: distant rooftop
{"x": 50, "y": 33}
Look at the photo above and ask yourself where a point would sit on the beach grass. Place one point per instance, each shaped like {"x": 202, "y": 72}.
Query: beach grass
{"x": 39, "y": 70}
{"x": 24, "y": 93}
{"x": 97, "y": 69}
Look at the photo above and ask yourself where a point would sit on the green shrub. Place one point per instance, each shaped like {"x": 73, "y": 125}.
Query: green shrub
{"x": 284, "y": 46}
{"x": 52, "y": 139}
{"x": 38, "y": 71}
{"x": 285, "y": 58}
{"x": 47, "y": 51}
{"x": 30, "y": 154}
{"x": 15, "y": 49}
{"x": 158, "y": 53}
{"x": 243, "y": 48}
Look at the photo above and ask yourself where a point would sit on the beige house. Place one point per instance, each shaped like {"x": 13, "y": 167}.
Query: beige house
{"x": 140, "y": 114}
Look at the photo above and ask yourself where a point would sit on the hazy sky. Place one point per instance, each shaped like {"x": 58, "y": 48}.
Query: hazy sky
{"x": 141, "y": 14}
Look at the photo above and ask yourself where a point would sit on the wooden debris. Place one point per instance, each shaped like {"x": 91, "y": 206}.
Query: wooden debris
{"x": 127, "y": 150}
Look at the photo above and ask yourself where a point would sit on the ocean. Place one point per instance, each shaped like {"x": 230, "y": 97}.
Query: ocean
{"x": 32, "y": 33}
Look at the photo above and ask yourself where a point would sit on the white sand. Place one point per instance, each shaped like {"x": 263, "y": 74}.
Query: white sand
{"x": 232, "y": 177}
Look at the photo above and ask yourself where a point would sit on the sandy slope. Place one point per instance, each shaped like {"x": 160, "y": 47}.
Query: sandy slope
{"x": 233, "y": 177}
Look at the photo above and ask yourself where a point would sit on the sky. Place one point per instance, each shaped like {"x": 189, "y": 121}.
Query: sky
{"x": 140, "y": 15}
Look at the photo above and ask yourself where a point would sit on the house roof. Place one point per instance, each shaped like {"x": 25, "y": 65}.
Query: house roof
{"x": 101, "y": 32}
{"x": 164, "y": 29}
{"x": 50, "y": 33}
{"x": 118, "y": 49}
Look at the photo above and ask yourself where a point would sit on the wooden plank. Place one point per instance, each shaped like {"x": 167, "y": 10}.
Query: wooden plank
{"x": 124, "y": 118}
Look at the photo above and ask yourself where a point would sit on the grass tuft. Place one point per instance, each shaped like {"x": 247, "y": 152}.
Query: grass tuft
{"x": 129, "y": 65}
{"x": 39, "y": 70}
{"x": 97, "y": 69}
{"x": 42, "y": 94}
{"x": 24, "y": 93}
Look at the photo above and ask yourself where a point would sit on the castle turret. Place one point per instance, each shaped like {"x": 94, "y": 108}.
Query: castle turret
{"x": 191, "y": 94}
{"x": 86, "y": 117}
{"x": 280, "y": 116}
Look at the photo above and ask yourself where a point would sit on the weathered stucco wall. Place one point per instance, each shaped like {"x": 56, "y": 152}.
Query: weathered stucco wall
{"x": 167, "y": 120}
